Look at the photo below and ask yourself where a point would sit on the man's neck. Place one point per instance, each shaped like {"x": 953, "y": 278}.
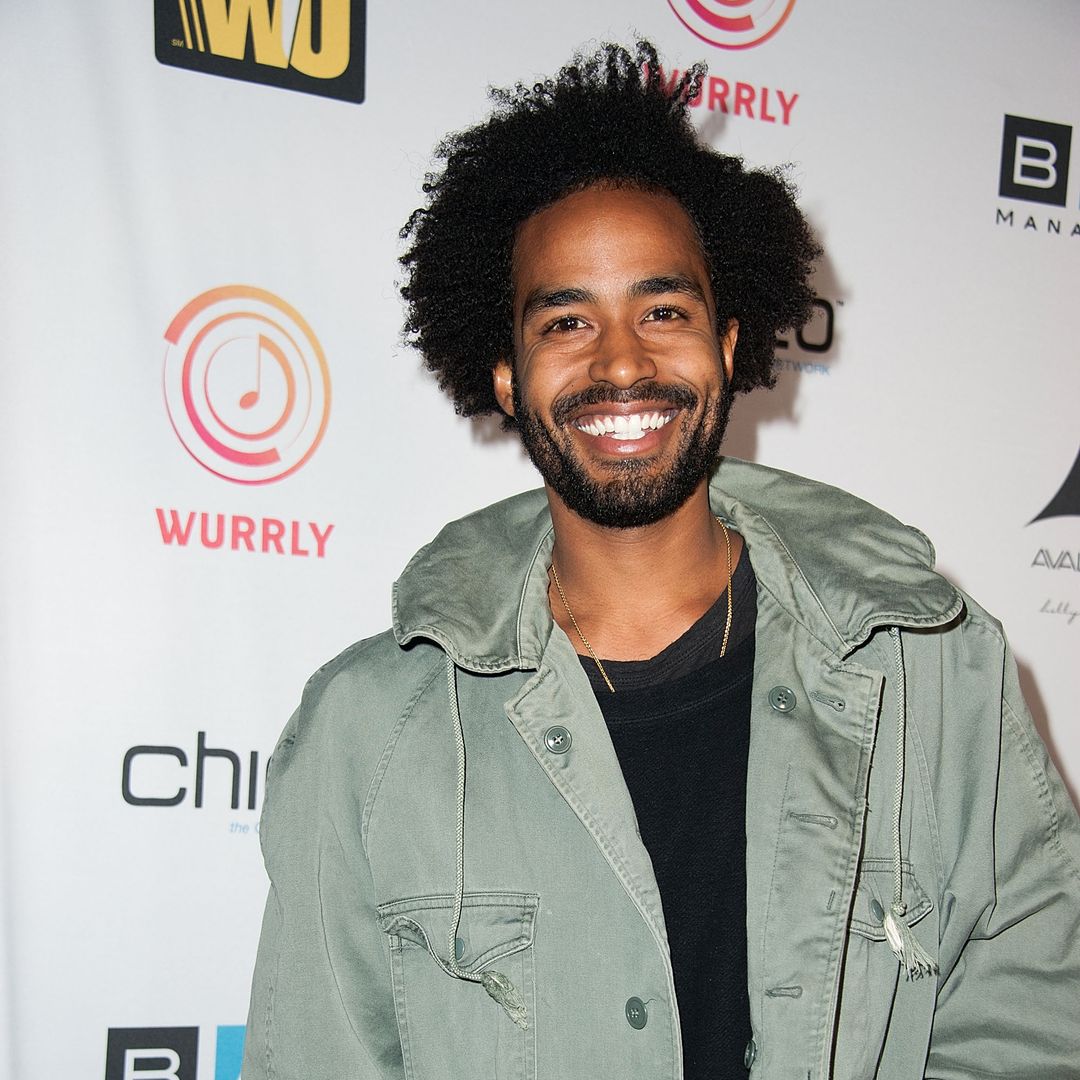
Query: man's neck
{"x": 634, "y": 591}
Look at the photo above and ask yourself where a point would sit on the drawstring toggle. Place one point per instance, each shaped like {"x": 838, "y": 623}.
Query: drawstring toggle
{"x": 502, "y": 990}
{"x": 915, "y": 960}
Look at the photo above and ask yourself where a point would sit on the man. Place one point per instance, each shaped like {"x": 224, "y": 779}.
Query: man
{"x": 670, "y": 769}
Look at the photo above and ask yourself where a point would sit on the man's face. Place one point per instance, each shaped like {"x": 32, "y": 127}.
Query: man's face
{"x": 619, "y": 378}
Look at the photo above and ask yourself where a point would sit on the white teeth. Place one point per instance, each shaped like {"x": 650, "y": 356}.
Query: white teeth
{"x": 624, "y": 427}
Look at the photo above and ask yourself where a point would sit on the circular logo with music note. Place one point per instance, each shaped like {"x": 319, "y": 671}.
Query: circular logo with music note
{"x": 246, "y": 384}
{"x": 732, "y": 24}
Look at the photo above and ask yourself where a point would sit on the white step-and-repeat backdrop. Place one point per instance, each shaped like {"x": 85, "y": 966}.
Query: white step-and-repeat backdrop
{"x": 183, "y": 542}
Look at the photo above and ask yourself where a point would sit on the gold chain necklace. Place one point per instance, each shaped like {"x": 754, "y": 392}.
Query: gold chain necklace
{"x": 585, "y": 640}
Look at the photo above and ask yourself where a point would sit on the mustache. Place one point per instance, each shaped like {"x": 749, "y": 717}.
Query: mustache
{"x": 666, "y": 395}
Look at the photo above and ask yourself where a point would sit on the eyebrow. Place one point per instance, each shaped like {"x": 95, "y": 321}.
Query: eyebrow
{"x": 546, "y": 299}
{"x": 668, "y": 283}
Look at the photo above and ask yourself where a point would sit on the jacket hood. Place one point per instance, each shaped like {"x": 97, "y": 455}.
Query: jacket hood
{"x": 841, "y": 566}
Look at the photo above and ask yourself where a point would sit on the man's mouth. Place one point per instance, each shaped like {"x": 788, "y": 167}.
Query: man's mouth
{"x": 624, "y": 426}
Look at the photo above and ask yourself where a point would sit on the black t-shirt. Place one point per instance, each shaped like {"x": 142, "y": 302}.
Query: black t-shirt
{"x": 680, "y": 725}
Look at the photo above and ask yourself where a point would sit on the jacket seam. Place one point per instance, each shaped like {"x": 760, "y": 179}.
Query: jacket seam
{"x": 326, "y": 947}
{"x": 1042, "y": 788}
{"x": 772, "y": 889}
{"x": 388, "y": 751}
{"x": 268, "y": 1018}
{"x": 521, "y": 598}
{"x": 930, "y": 804}
{"x": 403, "y": 1015}
{"x": 830, "y": 1015}
{"x": 1011, "y": 722}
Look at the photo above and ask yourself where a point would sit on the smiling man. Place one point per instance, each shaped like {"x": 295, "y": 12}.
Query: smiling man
{"x": 681, "y": 766}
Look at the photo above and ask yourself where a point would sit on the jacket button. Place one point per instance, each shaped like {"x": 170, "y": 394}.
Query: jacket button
{"x": 637, "y": 1016}
{"x": 782, "y": 699}
{"x": 557, "y": 739}
{"x": 877, "y": 912}
{"x": 751, "y": 1053}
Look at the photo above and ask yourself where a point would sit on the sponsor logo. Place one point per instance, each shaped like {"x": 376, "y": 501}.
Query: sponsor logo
{"x": 170, "y": 1053}
{"x": 807, "y": 350}
{"x": 732, "y": 24}
{"x": 1035, "y": 157}
{"x": 1062, "y": 559}
{"x": 239, "y": 532}
{"x": 1062, "y": 609}
{"x": 246, "y": 384}
{"x": 763, "y": 103}
{"x": 314, "y": 46}
{"x": 1034, "y": 160}
{"x": 1066, "y": 503}
{"x": 159, "y": 775}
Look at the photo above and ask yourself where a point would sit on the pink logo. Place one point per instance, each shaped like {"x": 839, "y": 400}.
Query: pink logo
{"x": 732, "y": 24}
{"x": 246, "y": 384}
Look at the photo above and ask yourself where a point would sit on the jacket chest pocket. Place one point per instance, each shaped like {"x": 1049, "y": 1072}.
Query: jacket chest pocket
{"x": 452, "y": 1027}
{"x": 871, "y": 971}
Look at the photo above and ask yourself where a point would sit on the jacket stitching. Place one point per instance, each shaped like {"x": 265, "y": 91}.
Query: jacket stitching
{"x": 1042, "y": 787}
{"x": 931, "y": 806}
{"x": 269, "y": 1017}
{"x": 524, "y": 588}
{"x": 402, "y": 1013}
{"x": 388, "y": 750}
{"x": 329, "y": 958}
{"x": 838, "y": 949}
{"x": 772, "y": 885}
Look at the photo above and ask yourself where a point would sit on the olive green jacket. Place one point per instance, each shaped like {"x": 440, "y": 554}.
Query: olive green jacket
{"x": 458, "y": 892}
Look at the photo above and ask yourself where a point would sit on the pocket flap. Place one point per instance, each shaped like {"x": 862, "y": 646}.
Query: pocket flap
{"x": 493, "y": 924}
{"x": 874, "y": 891}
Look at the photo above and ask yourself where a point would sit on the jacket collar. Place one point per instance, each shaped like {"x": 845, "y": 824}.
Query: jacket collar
{"x": 840, "y": 566}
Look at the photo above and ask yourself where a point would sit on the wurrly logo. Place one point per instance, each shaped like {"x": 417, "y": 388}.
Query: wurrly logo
{"x": 1035, "y": 158}
{"x": 239, "y": 532}
{"x": 732, "y": 24}
{"x": 246, "y": 384}
{"x": 763, "y": 103}
{"x": 314, "y": 46}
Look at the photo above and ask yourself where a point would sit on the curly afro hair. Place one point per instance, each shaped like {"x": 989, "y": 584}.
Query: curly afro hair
{"x": 605, "y": 117}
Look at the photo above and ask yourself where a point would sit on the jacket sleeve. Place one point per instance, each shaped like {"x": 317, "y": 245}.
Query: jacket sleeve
{"x": 322, "y": 1005}
{"x": 1009, "y": 1000}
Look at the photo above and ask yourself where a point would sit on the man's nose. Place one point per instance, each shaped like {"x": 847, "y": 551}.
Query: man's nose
{"x": 621, "y": 358}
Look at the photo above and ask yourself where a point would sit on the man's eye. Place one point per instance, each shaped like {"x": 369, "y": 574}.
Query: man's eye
{"x": 664, "y": 313}
{"x": 565, "y": 323}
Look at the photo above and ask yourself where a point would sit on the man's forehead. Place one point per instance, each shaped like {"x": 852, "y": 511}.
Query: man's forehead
{"x": 642, "y": 239}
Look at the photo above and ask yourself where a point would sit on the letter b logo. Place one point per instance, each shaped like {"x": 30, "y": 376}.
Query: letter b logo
{"x": 152, "y": 1053}
{"x": 1035, "y": 160}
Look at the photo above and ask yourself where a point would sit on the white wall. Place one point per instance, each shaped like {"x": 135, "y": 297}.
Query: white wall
{"x": 130, "y": 188}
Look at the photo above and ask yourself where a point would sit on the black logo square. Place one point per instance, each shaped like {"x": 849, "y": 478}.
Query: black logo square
{"x": 1035, "y": 160}
{"x": 152, "y": 1053}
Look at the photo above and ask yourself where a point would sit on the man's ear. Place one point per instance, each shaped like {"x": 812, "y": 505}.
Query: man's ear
{"x": 502, "y": 377}
{"x": 727, "y": 346}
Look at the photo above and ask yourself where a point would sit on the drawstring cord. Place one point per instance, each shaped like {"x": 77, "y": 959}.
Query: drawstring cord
{"x": 914, "y": 958}
{"x": 497, "y": 985}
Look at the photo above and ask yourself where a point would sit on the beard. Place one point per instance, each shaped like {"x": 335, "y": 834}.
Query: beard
{"x": 634, "y": 492}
